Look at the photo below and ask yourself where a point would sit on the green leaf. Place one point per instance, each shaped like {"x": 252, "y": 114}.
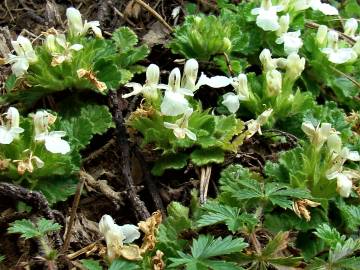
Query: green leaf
{"x": 201, "y": 157}
{"x": 122, "y": 264}
{"x": 58, "y": 188}
{"x": 344, "y": 250}
{"x": 275, "y": 245}
{"x": 218, "y": 213}
{"x": 330, "y": 235}
{"x": 10, "y": 83}
{"x": 171, "y": 161}
{"x": 91, "y": 264}
{"x": 24, "y": 227}
{"x": 45, "y": 226}
{"x": 28, "y": 230}
{"x": 124, "y": 38}
{"x": 206, "y": 247}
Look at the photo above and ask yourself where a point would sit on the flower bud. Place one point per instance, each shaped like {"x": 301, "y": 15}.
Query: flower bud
{"x": 190, "y": 74}
{"x": 334, "y": 143}
{"x": 50, "y": 43}
{"x": 267, "y": 62}
{"x": 284, "y": 22}
{"x": 74, "y": 21}
{"x": 42, "y": 120}
{"x": 227, "y": 44}
{"x": 242, "y": 87}
{"x": 274, "y": 82}
{"x": 332, "y": 39}
{"x": 321, "y": 35}
{"x": 152, "y": 74}
{"x": 351, "y": 26}
{"x": 13, "y": 116}
{"x": 294, "y": 66}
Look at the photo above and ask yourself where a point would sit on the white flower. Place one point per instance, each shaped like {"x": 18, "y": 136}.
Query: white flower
{"x": 350, "y": 28}
{"x": 291, "y": 40}
{"x": 53, "y": 141}
{"x": 11, "y": 130}
{"x": 316, "y": 5}
{"x": 267, "y": 18}
{"x": 60, "y": 49}
{"x": 321, "y": 35}
{"x": 174, "y": 102}
{"x": 190, "y": 74}
{"x": 344, "y": 185}
{"x": 76, "y": 26}
{"x": 151, "y": 86}
{"x": 180, "y": 128}
{"x": 232, "y": 101}
{"x": 317, "y": 135}
{"x": 25, "y": 55}
{"x": 255, "y": 125}
{"x": 115, "y": 235}
{"x": 294, "y": 66}
{"x": 335, "y": 54}
{"x": 273, "y": 82}
{"x": 268, "y": 63}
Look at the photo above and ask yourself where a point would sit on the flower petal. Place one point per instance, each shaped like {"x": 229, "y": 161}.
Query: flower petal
{"x": 56, "y": 145}
{"x": 131, "y": 232}
{"x": 231, "y": 102}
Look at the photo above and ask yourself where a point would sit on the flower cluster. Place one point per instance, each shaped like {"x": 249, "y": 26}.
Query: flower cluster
{"x": 175, "y": 100}
{"x": 10, "y": 131}
{"x": 337, "y": 51}
{"x": 56, "y": 44}
{"x": 322, "y": 134}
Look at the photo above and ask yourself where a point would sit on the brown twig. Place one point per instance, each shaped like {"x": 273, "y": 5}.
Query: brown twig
{"x": 33, "y": 198}
{"x": 73, "y": 214}
{"x": 103, "y": 187}
{"x": 204, "y": 183}
{"x": 123, "y": 145}
{"x": 99, "y": 151}
{"x": 155, "y": 14}
{"x": 228, "y": 64}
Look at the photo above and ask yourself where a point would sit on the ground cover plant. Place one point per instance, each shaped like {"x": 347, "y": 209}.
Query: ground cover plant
{"x": 180, "y": 135}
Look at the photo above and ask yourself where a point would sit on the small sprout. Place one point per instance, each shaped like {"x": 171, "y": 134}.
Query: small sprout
{"x": 267, "y": 18}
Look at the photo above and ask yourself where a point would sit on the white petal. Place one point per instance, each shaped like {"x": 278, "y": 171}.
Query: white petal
{"x": 328, "y": 9}
{"x": 342, "y": 55}
{"x": 308, "y": 128}
{"x": 267, "y": 20}
{"x": 344, "y": 185}
{"x": 174, "y": 104}
{"x": 353, "y": 155}
{"x": 334, "y": 143}
{"x": 231, "y": 102}
{"x": 6, "y": 137}
{"x": 20, "y": 67}
{"x": 137, "y": 89}
{"x": 131, "y": 232}
{"x": 76, "y": 47}
{"x": 106, "y": 223}
{"x": 191, "y": 135}
{"x": 184, "y": 91}
{"x": 255, "y": 11}
{"x": 38, "y": 161}
{"x": 56, "y": 145}
{"x": 170, "y": 125}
